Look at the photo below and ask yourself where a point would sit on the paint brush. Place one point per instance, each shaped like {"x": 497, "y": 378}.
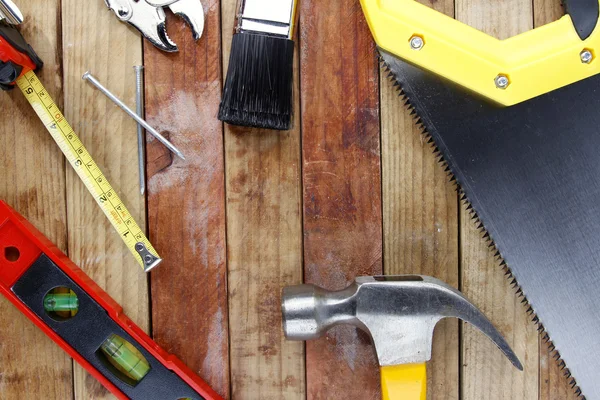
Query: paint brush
{"x": 258, "y": 89}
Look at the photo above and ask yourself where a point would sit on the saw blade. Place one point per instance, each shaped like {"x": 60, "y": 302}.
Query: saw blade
{"x": 532, "y": 175}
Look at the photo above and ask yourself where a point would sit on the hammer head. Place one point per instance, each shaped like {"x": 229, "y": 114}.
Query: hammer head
{"x": 398, "y": 312}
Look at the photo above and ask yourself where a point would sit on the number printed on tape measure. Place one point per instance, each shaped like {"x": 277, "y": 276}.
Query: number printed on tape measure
{"x": 84, "y": 165}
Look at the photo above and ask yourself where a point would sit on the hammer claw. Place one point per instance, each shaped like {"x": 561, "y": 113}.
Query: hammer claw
{"x": 471, "y": 314}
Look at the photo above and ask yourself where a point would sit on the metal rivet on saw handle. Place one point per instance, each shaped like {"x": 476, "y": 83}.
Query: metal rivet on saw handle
{"x": 502, "y": 81}
{"x": 586, "y": 56}
{"x": 416, "y": 42}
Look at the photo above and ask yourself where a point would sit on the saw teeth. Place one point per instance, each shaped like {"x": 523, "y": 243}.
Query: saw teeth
{"x": 480, "y": 225}
{"x": 546, "y": 338}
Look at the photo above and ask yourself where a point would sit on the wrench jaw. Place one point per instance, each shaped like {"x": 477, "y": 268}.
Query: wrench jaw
{"x": 192, "y": 13}
{"x": 149, "y": 18}
{"x": 157, "y": 35}
{"x": 151, "y": 22}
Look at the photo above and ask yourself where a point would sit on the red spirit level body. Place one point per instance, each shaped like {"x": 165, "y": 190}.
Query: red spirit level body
{"x": 94, "y": 330}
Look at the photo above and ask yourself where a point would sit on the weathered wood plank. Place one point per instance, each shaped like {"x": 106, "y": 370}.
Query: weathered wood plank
{"x": 553, "y": 383}
{"x": 420, "y": 221}
{"x": 95, "y": 40}
{"x": 342, "y": 183}
{"x": 264, "y": 238}
{"x": 33, "y": 182}
{"x": 186, "y": 200}
{"x": 546, "y": 11}
{"x": 486, "y": 373}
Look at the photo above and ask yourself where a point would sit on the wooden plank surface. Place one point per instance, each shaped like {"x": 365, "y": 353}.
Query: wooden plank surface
{"x": 90, "y": 34}
{"x": 341, "y": 183}
{"x": 33, "y": 182}
{"x": 264, "y": 239}
{"x": 486, "y": 373}
{"x": 256, "y": 210}
{"x": 420, "y": 219}
{"x": 186, "y": 200}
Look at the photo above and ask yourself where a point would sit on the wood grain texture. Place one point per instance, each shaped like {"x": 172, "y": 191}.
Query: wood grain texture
{"x": 264, "y": 241}
{"x": 420, "y": 220}
{"x": 266, "y": 185}
{"x": 341, "y": 183}
{"x": 265, "y": 253}
{"x": 186, "y": 200}
{"x": 486, "y": 373}
{"x": 546, "y": 11}
{"x": 554, "y": 385}
{"x": 33, "y": 182}
{"x": 94, "y": 40}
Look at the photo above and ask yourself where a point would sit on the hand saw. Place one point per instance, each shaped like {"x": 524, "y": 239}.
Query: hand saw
{"x": 82, "y": 319}
{"x": 517, "y": 123}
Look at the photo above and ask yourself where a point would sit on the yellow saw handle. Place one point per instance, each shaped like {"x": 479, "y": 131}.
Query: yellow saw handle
{"x": 505, "y": 71}
{"x": 404, "y": 382}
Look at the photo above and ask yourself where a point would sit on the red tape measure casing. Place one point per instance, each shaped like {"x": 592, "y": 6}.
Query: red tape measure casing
{"x": 16, "y": 56}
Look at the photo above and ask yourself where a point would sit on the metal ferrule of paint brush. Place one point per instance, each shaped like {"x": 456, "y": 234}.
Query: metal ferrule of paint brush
{"x": 258, "y": 89}
{"x": 10, "y": 13}
{"x": 269, "y": 17}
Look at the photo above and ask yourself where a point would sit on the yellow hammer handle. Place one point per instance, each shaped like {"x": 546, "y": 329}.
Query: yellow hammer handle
{"x": 404, "y": 382}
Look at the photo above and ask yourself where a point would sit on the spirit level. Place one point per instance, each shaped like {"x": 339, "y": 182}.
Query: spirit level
{"x": 85, "y": 321}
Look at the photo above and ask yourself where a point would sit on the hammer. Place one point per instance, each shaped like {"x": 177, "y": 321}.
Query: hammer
{"x": 399, "y": 313}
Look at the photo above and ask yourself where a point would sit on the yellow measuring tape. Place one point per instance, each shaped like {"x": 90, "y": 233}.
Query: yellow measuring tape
{"x": 93, "y": 178}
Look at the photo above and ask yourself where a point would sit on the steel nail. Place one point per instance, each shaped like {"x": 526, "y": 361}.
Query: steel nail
{"x": 139, "y": 100}
{"x": 90, "y": 78}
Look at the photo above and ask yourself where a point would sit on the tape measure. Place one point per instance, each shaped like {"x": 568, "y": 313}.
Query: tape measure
{"x": 87, "y": 169}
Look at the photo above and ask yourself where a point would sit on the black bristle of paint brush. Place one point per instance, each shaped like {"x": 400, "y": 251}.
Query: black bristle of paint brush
{"x": 259, "y": 85}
